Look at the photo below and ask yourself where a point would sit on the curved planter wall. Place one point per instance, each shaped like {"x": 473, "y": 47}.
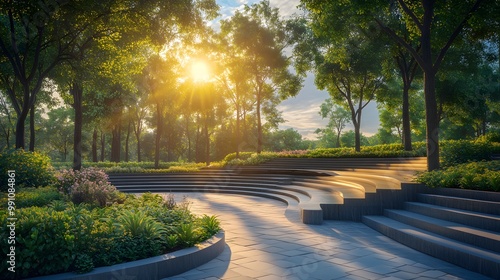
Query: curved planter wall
{"x": 155, "y": 267}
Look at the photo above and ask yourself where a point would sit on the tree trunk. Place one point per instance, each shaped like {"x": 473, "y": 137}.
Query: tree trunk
{"x": 338, "y": 138}
{"x": 20, "y": 129}
{"x": 238, "y": 136}
{"x": 259, "y": 125}
{"x": 188, "y": 136}
{"x": 432, "y": 121}
{"x": 126, "y": 142}
{"x": 431, "y": 112}
{"x": 357, "y": 137}
{"x": 115, "y": 144}
{"x": 139, "y": 149}
{"x": 158, "y": 135}
{"x": 77, "y": 92}
{"x": 32, "y": 128}
{"x": 406, "y": 118}
{"x": 103, "y": 145}
{"x": 94, "y": 146}
{"x": 207, "y": 144}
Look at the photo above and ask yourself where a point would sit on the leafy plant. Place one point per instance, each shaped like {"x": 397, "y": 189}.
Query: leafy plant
{"x": 27, "y": 197}
{"x": 83, "y": 263}
{"x": 138, "y": 223}
{"x": 58, "y": 205}
{"x": 475, "y": 175}
{"x": 188, "y": 234}
{"x": 210, "y": 224}
{"x": 44, "y": 242}
{"x": 172, "y": 241}
{"x": 454, "y": 152}
{"x": 90, "y": 185}
{"x": 32, "y": 169}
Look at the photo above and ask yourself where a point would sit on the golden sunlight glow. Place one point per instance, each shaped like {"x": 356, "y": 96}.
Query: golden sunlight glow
{"x": 200, "y": 72}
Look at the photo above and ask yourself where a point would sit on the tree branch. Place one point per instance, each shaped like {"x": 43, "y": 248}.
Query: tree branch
{"x": 400, "y": 41}
{"x": 407, "y": 10}
{"x": 454, "y": 35}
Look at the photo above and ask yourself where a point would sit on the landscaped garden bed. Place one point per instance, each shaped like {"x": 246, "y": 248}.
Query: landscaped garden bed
{"x": 79, "y": 221}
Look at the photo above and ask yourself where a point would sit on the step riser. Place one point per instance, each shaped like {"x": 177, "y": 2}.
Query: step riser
{"x": 473, "y": 221}
{"x": 484, "y": 266}
{"x": 479, "y": 241}
{"x": 458, "y": 203}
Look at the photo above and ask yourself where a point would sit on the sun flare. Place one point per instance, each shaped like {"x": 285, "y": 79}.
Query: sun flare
{"x": 200, "y": 71}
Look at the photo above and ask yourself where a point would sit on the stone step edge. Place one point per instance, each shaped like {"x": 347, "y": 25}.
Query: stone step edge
{"x": 157, "y": 267}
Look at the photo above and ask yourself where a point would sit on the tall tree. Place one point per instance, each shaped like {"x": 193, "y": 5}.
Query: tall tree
{"x": 436, "y": 24}
{"x": 337, "y": 116}
{"x": 261, "y": 36}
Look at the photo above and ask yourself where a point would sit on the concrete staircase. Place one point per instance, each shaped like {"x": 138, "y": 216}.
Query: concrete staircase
{"x": 460, "y": 227}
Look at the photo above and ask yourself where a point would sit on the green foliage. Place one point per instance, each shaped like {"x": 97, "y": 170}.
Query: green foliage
{"x": 252, "y": 159}
{"x": 89, "y": 185}
{"x": 172, "y": 241}
{"x": 242, "y": 156}
{"x": 45, "y": 243}
{"x": 83, "y": 263}
{"x": 32, "y": 169}
{"x": 66, "y": 237}
{"x": 188, "y": 234}
{"x": 140, "y": 224}
{"x": 210, "y": 225}
{"x": 483, "y": 176}
{"x": 137, "y": 167}
{"x": 454, "y": 152}
{"x": 27, "y": 197}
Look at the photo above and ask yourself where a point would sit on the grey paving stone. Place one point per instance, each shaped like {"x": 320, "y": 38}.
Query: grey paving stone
{"x": 263, "y": 244}
{"x": 381, "y": 269}
{"x": 366, "y": 274}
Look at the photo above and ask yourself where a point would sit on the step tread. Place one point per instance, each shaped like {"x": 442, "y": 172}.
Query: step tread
{"x": 435, "y": 238}
{"x": 455, "y": 210}
{"x": 460, "y": 198}
{"x": 448, "y": 224}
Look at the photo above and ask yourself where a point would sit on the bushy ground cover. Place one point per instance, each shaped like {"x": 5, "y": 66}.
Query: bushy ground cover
{"x": 136, "y": 167}
{"x": 483, "y": 176}
{"x": 76, "y": 220}
{"x": 62, "y": 236}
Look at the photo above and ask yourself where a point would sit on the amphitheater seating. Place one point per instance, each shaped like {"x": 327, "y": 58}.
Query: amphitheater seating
{"x": 457, "y": 226}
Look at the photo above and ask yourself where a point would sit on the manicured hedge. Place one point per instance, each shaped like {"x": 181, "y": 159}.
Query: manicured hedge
{"x": 475, "y": 175}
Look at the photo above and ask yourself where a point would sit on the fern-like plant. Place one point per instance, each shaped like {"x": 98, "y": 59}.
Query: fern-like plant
{"x": 188, "y": 234}
{"x": 138, "y": 223}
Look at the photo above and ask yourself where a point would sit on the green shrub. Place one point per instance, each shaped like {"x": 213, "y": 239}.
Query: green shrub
{"x": 75, "y": 237}
{"x": 188, "y": 234}
{"x": 475, "y": 175}
{"x": 89, "y": 185}
{"x": 138, "y": 223}
{"x": 44, "y": 242}
{"x": 83, "y": 263}
{"x": 242, "y": 156}
{"x": 210, "y": 225}
{"x": 27, "y": 197}
{"x": 455, "y": 152}
{"x": 31, "y": 169}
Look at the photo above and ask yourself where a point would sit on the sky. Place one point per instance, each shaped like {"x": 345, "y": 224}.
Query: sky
{"x": 302, "y": 111}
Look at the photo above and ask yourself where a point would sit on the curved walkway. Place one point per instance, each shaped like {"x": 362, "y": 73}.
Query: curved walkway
{"x": 263, "y": 243}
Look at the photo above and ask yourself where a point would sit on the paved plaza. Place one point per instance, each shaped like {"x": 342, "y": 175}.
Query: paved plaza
{"x": 266, "y": 240}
